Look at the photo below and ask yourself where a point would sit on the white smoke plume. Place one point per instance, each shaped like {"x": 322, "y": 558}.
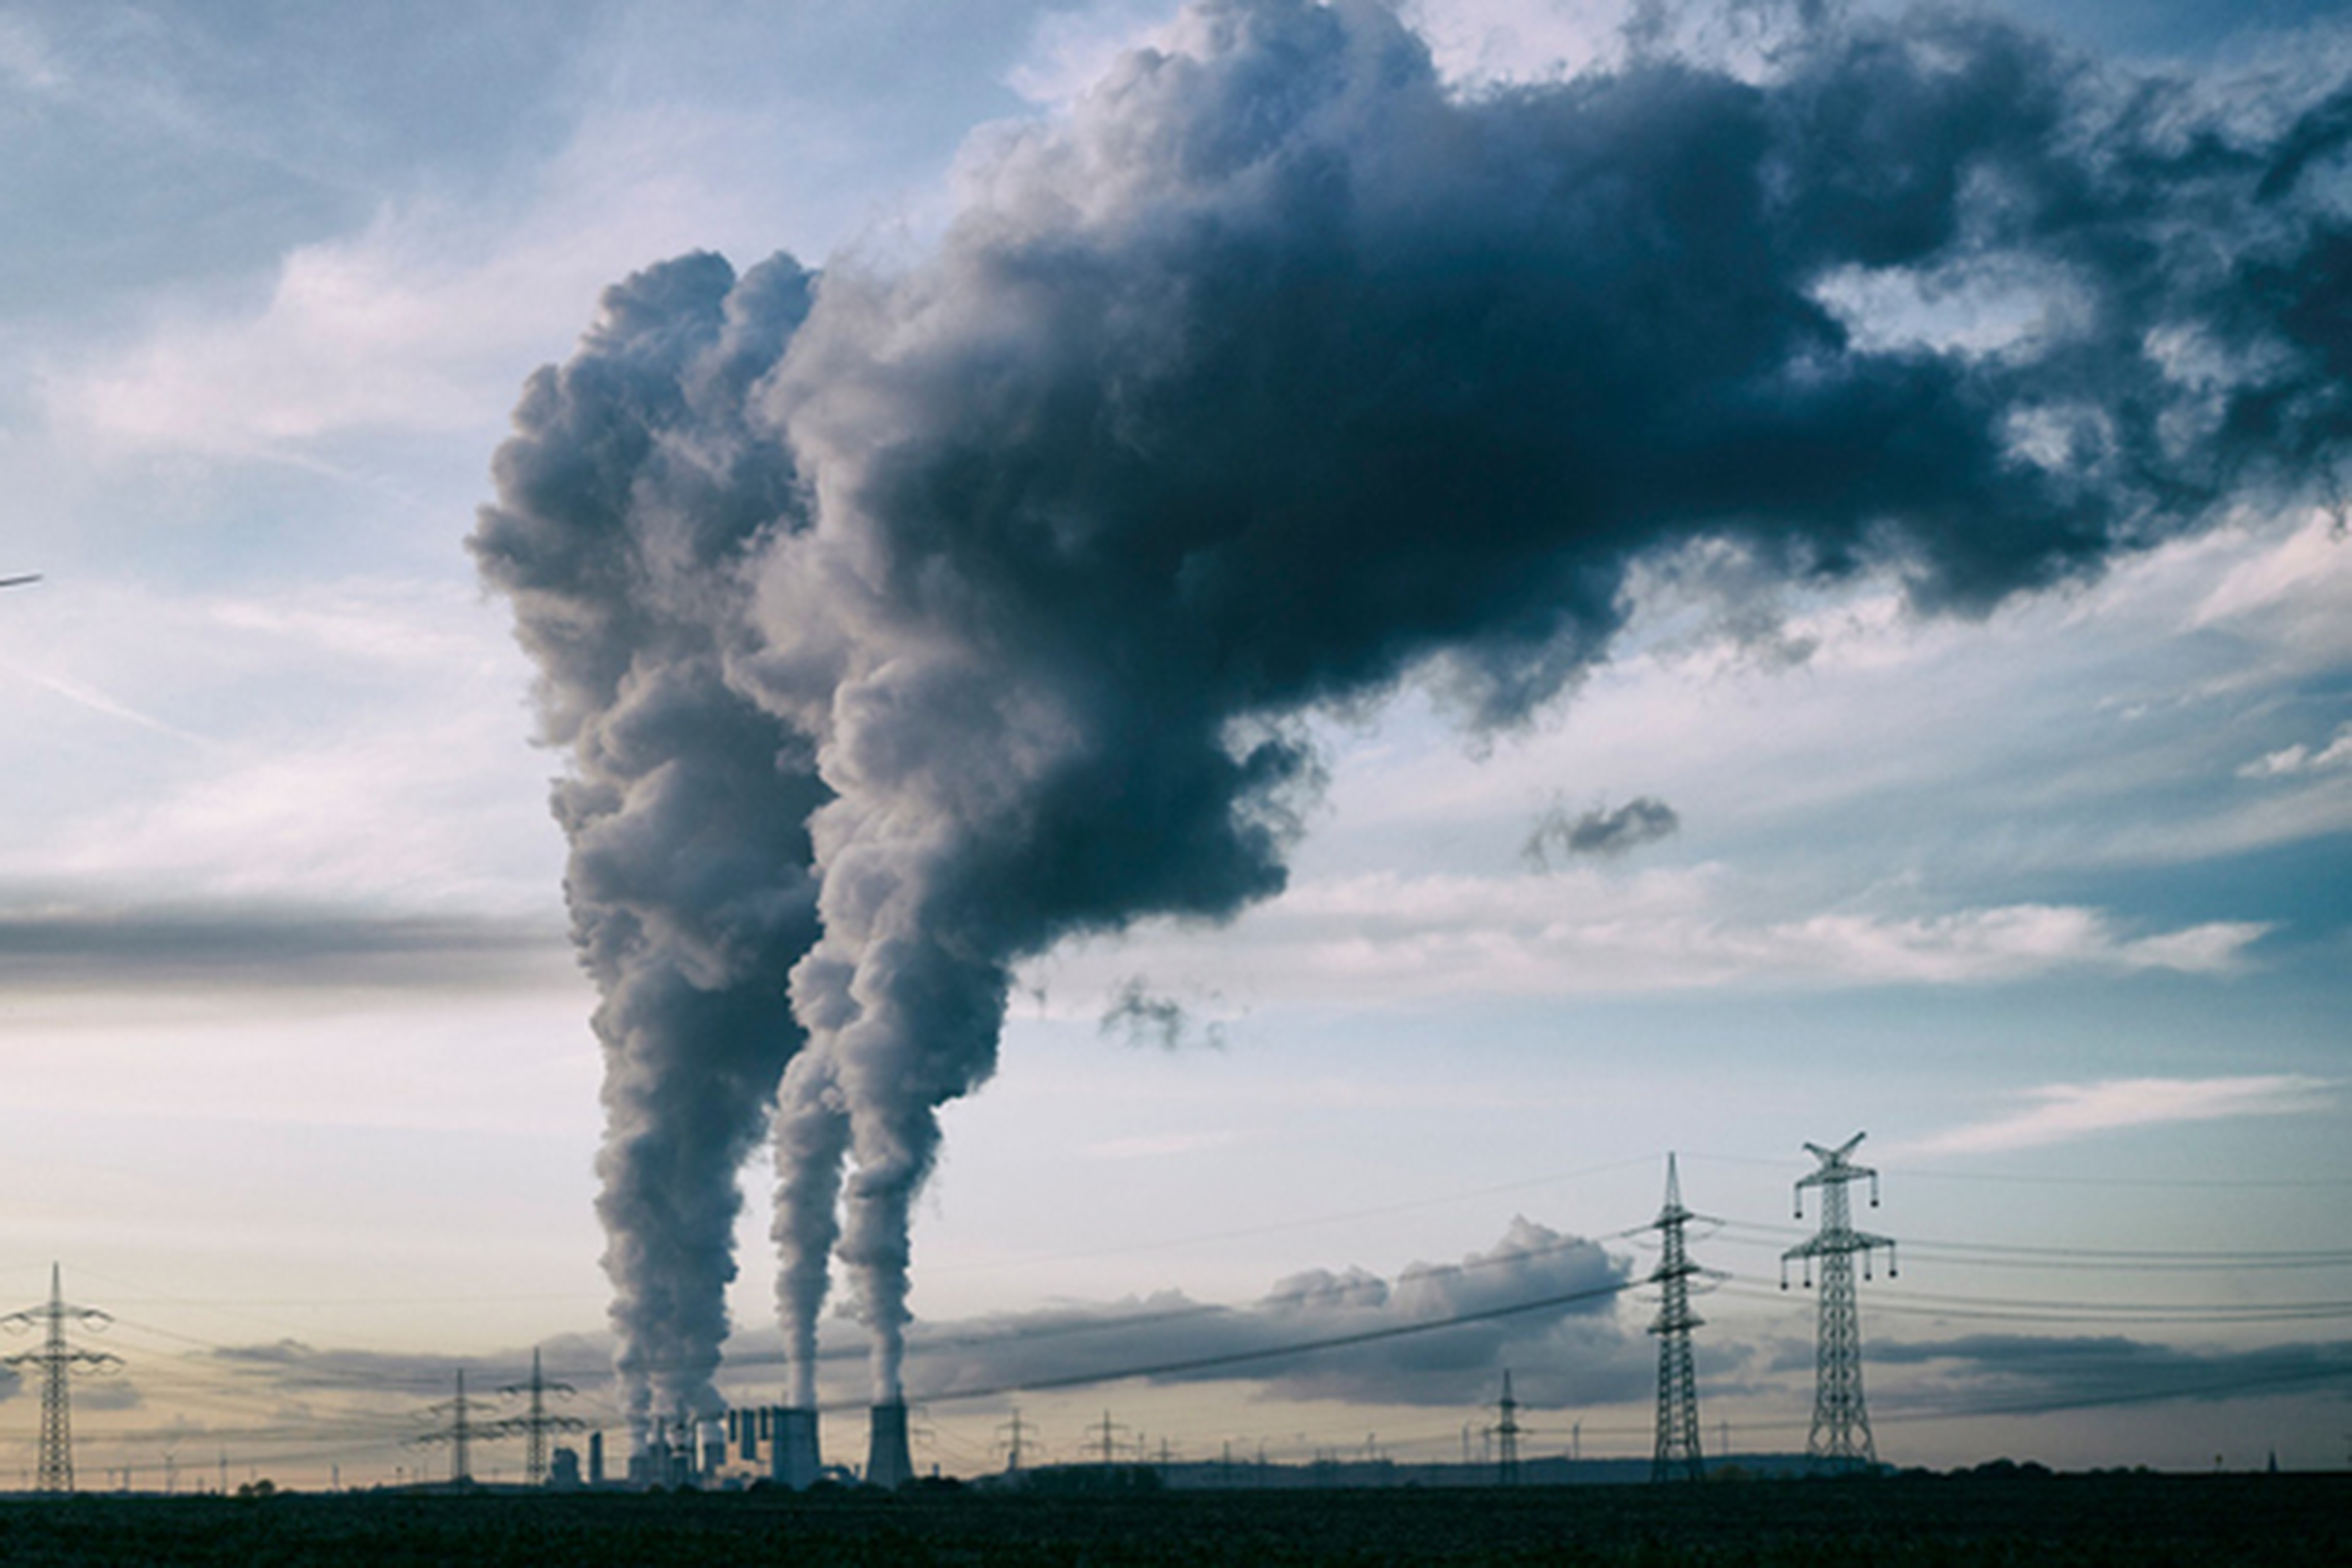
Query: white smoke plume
{"x": 1272, "y": 376}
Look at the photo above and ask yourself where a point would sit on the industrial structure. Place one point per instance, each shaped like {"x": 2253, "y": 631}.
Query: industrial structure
{"x": 1675, "y": 1456}
{"x": 732, "y": 1446}
{"x": 59, "y": 1360}
{"x": 888, "y": 1461}
{"x": 1840, "y": 1438}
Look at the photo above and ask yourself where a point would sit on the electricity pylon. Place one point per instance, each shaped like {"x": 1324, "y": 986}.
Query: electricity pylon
{"x": 1108, "y": 1428}
{"x": 1840, "y": 1439}
{"x": 1013, "y": 1449}
{"x": 459, "y": 1434}
{"x": 536, "y": 1423}
{"x": 59, "y": 1360}
{"x": 1506, "y": 1435}
{"x": 1676, "y": 1454}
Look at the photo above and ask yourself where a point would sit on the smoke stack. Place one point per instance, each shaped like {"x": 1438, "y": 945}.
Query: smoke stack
{"x": 887, "y": 1462}
{"x": 793, "y": 1452}
{"x": 595, "y": 1459}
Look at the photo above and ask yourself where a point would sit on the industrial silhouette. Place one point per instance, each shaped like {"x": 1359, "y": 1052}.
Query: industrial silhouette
{"x": 723, "y": 1446}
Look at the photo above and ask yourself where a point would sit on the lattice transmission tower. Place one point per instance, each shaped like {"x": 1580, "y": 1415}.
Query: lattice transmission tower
{"x": 1840, "y": 1439}
{"x": 460, "y": 1434}
{"x": 1507, "y": 1432}
{"x": 1676, "y": 1454}
{"x": 59, "y": 1360}
{"x": 535, "y": 1423}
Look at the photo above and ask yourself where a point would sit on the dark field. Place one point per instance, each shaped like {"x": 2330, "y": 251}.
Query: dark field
{"x": 2049, "y": 1522}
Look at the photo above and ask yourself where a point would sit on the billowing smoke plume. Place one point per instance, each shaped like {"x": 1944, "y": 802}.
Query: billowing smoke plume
{"x": 628, "y": 499}
{"x": 1278, "y": 374}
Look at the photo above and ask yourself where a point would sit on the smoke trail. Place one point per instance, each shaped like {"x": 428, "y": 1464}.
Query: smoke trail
{"x": 1277, "y": 374}
{"x": 626, "y": 498}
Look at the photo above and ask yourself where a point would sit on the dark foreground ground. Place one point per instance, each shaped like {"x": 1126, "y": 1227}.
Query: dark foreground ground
{"x": 2049, "y": 1522}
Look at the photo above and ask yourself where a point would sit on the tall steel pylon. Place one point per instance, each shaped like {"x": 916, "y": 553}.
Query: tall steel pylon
{"x": 58, "y": 1360}
{"x": 1676, "y": 1454}
{"x": 1840, "y": 1439}
{"x": 536, "y": 1423}
{"x": 460, "y": 1433}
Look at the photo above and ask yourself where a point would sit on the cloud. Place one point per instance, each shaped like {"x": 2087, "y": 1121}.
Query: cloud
{"x": 1987, "y": 1374}
{"x": 2303, "y": 759}
{"x": 345, "y": 741}
{"x": 1386, "y": 938}
{"x": 1435, "y": 1335}
{"x": 258, "y": 946}
{"x": 1600, "y": 833}
{"x": 2063, "y": 1112}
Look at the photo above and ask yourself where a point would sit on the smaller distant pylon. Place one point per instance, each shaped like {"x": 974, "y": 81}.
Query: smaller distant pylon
{"x": 1506, "y": 1435}
{"x": 1676, "y": 1454}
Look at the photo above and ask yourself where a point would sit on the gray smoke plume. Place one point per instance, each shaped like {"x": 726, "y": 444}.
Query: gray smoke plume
{"x": 627, "y": 499}
{"x": 1277, "y": 374}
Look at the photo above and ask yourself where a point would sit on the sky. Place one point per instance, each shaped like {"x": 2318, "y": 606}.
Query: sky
{"x": 2045, "y": 894}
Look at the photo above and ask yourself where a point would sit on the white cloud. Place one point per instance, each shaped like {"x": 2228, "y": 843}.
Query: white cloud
{"x": 2303, "y": 759}
{"x": 2292, "y": 596}
{"x": 362, "y": 741}
{"x": 1387, "y": 938}
{"x": 1482, "y": 43}
{"x": 427, "y": 320}
{"x": 2061, "y": 1112}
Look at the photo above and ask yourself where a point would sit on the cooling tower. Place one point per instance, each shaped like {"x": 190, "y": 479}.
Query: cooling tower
{"x": 793, "y": 1453}
{"x": 887, "y": 1462}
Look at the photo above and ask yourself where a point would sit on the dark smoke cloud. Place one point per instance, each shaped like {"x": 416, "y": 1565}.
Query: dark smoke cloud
{"x": 1276, "y": 375}
{"x": 1601, "y": 832}
{"x": 627, "y": 500}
